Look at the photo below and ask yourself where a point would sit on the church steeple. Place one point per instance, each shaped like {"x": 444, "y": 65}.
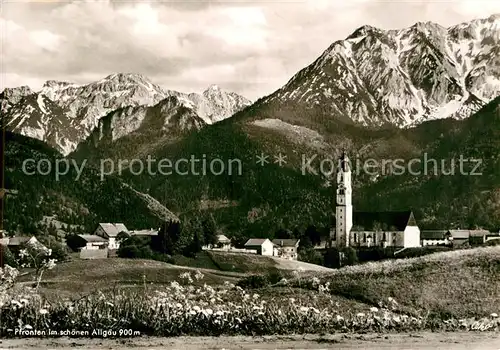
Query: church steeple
{"x": 343, "y": 202}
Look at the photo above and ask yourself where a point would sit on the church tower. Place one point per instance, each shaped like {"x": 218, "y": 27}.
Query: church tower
{"x": 343, "y": 213}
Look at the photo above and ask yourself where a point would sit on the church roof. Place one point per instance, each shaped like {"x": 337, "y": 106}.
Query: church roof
{"x": 388, "y": 220}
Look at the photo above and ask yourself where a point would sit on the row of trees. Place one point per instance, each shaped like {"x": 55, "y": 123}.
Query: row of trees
{"x": 187, "y": 238}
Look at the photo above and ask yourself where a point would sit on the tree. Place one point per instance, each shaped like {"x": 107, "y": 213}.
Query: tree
{"x": 283, "y": 234}
{"x": 313, "y": 234}
{"x": 209, "y": 231}
{"x": 310, "y": 255}
{"x": 37, "y": 257}
{"x": 195, "y": 246}
{"x": 349, "y": 256}
{"x": 59, "y": 252}
{"x": 135, "y": 247}
{"x": 168, "y": 238}
{"x": 340, "y": 257}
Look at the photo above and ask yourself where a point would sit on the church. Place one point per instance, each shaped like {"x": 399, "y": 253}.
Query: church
{"x": 369, "y": 229}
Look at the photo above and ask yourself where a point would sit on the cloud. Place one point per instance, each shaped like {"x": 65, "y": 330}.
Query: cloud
{"x": 250, "y": 47}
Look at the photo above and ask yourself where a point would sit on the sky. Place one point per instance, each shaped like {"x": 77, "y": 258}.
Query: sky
{"x": 249, "y": 47}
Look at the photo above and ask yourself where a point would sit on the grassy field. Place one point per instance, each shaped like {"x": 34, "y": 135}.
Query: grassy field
{"x": 449, "y": 291}
{"x": 244, "y": 263}
{"x": 462, "y": 283}
{"x": 81, "y": 277}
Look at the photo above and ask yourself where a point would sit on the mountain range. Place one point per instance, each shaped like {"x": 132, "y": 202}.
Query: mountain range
{"x": 383, "y": 94}
{"x": 64, "y": 114}
{"x": 398, "y": 77}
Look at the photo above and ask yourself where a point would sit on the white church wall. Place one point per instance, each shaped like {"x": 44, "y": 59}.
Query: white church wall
{"x": 411, "y": 237}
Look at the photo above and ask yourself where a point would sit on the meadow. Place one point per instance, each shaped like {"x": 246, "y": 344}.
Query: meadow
{"x": 452, "y": 291}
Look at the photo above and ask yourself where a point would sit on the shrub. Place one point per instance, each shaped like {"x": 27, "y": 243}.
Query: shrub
{"x": 6, "y": 257}
{"x": 310, "y": 255}
{"x": 59, "y": 250}
{"x": 350, "y": 256}
{"x": 254, "y": 282}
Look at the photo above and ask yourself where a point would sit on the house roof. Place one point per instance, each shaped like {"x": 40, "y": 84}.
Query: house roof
{"x": 144, "y": 233}
{"x": 93, "y": 238}
{"x": 387, "y": 219}
{"x": 286, "y": 242}
{"x": 19, "y": 240}
{"x": 112, "y": 230}
{"x": 223, "y": 239}
{"x": 479, "y": 233}
{"x": 464, "y": 234}
{"x": 433, "y": 234}
{"x": 256, "y": 241}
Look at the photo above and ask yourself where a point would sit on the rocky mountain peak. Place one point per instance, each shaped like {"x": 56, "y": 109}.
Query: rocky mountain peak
{"x": 401, "y": 77}
{"x": 80, "y": 107}
{"x": 363, "y": 31}
{"x": 123, "y": 78}
{"x": 213, "y": 87}
{"x": 12, "y": 96}
{"x": 56, "y": 83}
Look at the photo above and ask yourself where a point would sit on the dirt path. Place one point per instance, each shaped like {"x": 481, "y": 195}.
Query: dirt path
{"x": 434, "y": 341}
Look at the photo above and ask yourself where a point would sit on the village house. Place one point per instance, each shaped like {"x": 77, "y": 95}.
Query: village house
{"x": 367, "y": 229}
{"x": 435, "y": 238}
{"x": 493, "y": 236}
{"x": 286, "y": 248}
{"x": 262, "y": 246}
{"x": 16, "y": 243}
{"x": 110, "y": 232}
{"x": 144, "y": 233}
{"x": 93, "y": 247}
{"x": 465, "y": 237}
{"x": 93, "y": 242}
{"x": 223, "y": 243}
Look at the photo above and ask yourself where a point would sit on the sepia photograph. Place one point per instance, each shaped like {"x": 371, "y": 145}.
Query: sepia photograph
{"x": 266, "y": 174}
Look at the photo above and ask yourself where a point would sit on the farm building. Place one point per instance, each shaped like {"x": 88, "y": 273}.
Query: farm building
{"x": 463, "y": 237}
{"x": 435, "y": 237}
{"x": 263, "y": 246}
{"x": 93, "y": 247}
{"x": 93, "y": 242}
{"x": 110, "y": 232}
{"x": 144, "y": 233}
{"x": 286, "y": 248}
{"x": 17, "y": 242}
{"x": 223, "y": 242}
